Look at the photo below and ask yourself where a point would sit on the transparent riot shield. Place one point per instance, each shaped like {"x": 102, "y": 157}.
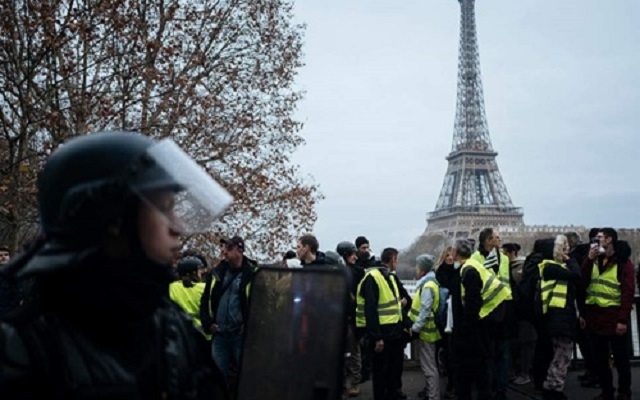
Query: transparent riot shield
{"x": 294, "y": 344}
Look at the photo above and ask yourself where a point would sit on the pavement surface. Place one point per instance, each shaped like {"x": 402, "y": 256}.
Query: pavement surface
{"x": 413, "y": 382}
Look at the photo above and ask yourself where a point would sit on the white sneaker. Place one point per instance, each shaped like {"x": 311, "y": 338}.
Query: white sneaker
{"x": 522, "y": 380}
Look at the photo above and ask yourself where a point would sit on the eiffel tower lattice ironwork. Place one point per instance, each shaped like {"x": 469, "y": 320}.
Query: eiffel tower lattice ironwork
{"x": 473, "y": 194}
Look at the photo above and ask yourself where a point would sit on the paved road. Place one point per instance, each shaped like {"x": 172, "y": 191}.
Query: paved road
{"x": 413, "y": 382}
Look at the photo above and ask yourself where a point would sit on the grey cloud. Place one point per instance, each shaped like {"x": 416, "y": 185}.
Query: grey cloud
{"x": 561, "y": 89}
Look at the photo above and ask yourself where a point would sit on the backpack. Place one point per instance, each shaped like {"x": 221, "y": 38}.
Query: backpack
{"x": 529, "y": 303}
{"x": 440, "y": 316}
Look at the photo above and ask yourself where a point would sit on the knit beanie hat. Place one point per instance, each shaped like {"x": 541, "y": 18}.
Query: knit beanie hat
{"x": 425, "y": 262}
{"x": 360, "y": 240}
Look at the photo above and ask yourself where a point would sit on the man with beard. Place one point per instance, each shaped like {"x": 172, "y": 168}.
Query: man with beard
{"x": 365, "y": 258}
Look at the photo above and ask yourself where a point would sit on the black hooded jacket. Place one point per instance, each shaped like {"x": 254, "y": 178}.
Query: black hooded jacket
{"x": 528, "y": 287}
{"x": 321, "y": 260}
{"x": 10, "y": 293}
{"x": 104, "y": 329}
{"x": 471, "y": 337}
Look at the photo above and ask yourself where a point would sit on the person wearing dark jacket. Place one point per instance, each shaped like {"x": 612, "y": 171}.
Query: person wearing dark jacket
{"x": 445, "y": 270}
{"x": 379, "y": 312}
{"x": 364, "y": 256}
{"x": 100, "y": 324}
{"x": 492, "y": 258}
{"x": 478, "y": 297}
{"x": 5, "y": 255}
{"x": 225, "y": 303}
{"x": 448, "y": 277}
{"x": 353, "y": 364}
{"x": 579, "y": 252}
{"x": 364, "y": 260}
{"x": 308, "y": 253}
{"x": 405, "y": 301}
{"x": 559, "y": 279}
{"x": 529, "y": 287}
{"x": 9, "y": 298}
{"x": 608, "y": 276}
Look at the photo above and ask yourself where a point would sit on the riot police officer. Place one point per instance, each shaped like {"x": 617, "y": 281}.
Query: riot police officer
{"x": 112, "y": 207}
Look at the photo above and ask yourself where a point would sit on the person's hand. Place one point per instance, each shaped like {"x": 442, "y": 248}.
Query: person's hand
{"x": 403, "y": 302}
{"x": 213, "y": 328}
{"x": 379, "y": 346}
{"x": 621, "y": 329}
{"x": 583, "y": 323}
{"x": 593, "y": 253}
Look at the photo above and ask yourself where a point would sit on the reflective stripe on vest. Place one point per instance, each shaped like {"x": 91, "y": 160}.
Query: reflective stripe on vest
{"x": 429, "y": 331}
{"x": 493, "y": 291}
{"x": 604, "y": 290}
{"x": 389, "y": 307}
{"x": 504, "y": 270}
{"x": 553, "y": 292}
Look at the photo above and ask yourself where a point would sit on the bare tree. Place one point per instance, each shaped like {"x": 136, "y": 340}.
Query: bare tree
{"x": 216, "y": 76}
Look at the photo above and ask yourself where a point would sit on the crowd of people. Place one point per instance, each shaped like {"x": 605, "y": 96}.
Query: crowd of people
{"x": 105, "y": 304}
{"x": 508, "y": 318}
{"x": 483, "y": 316}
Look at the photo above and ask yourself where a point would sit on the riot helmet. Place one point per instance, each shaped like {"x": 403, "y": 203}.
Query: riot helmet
{"x": 189, "y": 265}
{"x": 333, "y": 258}
{"x": 94, "y": 180}
{"x": 346, "y": 248}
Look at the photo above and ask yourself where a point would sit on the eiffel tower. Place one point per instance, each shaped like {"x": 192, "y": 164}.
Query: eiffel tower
{"x": 473, "y": 195}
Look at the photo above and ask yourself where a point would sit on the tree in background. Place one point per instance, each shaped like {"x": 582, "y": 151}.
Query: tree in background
{"x": 215, "y": 76}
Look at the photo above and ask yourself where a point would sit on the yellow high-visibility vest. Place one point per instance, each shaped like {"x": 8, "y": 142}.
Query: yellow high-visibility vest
{"x": 430, "y": 331}
{"x": 389, "y": 306}
{"x": 504, "y": 270}
{"x": 553, "y": 292}
{"x": 604, "y": 290}
{"x": 493, "y": 293}
{"x": 188, "y": 298}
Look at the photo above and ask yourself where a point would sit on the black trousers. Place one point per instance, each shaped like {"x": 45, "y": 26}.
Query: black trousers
{"x": 472, "y": 373}
{"x": 365, "y": 358}
{"x": 620, "y": 349}
{"x": 445, "y": 345}
{"x": 542, "y": 357}
{"x": 584, "y": 342}
{"x": 387, "y": 369}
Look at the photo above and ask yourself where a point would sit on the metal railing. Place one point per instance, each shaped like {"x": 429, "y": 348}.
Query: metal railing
{"x": 634, "y": 326}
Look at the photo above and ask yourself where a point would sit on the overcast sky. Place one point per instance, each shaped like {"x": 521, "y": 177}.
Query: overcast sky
{"x": 562, "y": 94}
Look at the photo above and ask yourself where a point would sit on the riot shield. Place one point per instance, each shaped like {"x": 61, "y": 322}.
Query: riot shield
{"x": 294, "y": 343}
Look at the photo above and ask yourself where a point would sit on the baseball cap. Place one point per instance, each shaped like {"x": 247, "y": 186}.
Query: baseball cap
{"x": 235, "y": 241}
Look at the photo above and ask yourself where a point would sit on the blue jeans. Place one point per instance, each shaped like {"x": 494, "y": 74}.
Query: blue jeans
{"x": 226, "y": 347}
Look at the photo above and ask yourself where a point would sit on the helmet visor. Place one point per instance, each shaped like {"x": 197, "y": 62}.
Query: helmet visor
{"x": 173, "y": 184}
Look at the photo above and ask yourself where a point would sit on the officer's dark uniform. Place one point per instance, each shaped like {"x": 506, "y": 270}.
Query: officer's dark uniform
{"x": 100, "y": 324}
